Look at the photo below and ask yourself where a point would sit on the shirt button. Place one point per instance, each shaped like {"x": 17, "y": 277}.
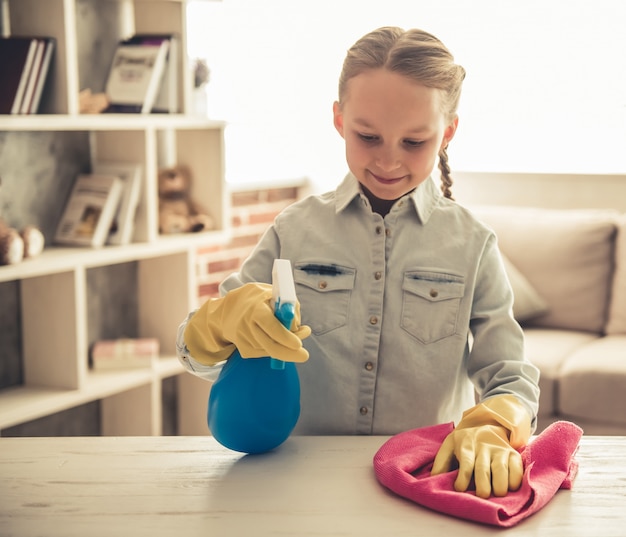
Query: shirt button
{"x": 434, "y": 293}
{"x": 369, "y": 366}
{"x": 322, "y": 284}
{"x": 373, "y": 319}
{"x": 379, "y": 230}
{"x": 387, "y": 232}
{"x": 363, "y": 410}
{"x": 378, "y": 275}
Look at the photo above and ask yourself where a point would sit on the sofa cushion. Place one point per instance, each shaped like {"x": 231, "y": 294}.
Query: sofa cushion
{"x": 566, "y": 255}
{"x": 527, "y": 302}
{"x": 617, "y": 312}
{"x": 593, "y": 379}
{"x": 548, "y": 349}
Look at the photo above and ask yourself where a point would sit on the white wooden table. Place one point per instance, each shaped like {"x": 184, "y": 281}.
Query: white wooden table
{"x": 310, "y": 486}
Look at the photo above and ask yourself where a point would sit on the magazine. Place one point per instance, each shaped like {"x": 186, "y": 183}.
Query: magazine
{"x": 89, "y": 211}
{"x": 121, "y": 231}
{"x": 135, "y": 76}
{"x": 167, "y": 96}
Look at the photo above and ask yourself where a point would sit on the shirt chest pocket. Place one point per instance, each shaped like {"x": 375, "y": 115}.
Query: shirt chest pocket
{"x": 324, "y": 292}
{"x": 430, "y": 304}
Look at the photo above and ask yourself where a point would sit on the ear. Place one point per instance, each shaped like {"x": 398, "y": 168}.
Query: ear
{"x": 338, "y": 118}
{"x": 448, "y": 134}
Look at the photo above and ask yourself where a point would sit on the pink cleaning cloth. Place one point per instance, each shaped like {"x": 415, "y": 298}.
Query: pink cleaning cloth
{"x": 404, "y": 462}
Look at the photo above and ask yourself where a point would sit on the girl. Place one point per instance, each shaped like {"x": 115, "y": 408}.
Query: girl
{"x": 402, "y": 291}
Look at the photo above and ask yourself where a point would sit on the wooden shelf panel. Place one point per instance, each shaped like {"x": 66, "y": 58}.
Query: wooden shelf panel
{"x": 169, "y": 366}
{"x": 26, "y": 403}
{"x": 55, "y": 259}
{"x": 113, "y": 122}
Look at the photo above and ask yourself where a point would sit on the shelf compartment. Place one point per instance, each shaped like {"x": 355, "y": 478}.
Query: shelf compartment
{"x": 26, "y": 403}
{"x": 21, "y": 404}
{"x": 203, "y": 152}
{"x": 90, "y": 32}
{"x": 61, "y": 259}
{"x": 55, "y": 18}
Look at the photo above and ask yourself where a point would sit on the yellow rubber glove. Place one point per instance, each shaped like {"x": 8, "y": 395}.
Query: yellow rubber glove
{"x": 244, "y": 318}
{"x": 485, "y": 444}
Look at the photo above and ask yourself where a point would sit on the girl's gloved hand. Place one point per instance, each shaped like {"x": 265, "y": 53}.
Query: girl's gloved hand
{"x": 485, "y": 444}
{"x": 244, "y": 319}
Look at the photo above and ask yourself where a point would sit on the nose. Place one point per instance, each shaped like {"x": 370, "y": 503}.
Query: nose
{"x": 387, "y": 159}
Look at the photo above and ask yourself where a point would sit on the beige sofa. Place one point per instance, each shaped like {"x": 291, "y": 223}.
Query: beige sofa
{"x": 568, "y": 272}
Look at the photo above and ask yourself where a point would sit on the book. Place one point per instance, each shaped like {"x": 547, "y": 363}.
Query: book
{"x": 121, "y": 231}
{"x": 167, "y": 96}
{"x": 135, "y": 76}
{"x": 40, "y": 76}
{"x": 29, "y": 89}
{"x": 124, "y": 353}
{"x": 89, "y": 211}
{"x": 16, "y": 58}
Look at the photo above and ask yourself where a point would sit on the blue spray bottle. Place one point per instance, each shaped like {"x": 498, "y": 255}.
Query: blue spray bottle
{"x": 255, "y": 403}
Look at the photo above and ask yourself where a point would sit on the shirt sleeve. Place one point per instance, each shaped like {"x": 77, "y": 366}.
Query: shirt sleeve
{"x": 496, "y": 363}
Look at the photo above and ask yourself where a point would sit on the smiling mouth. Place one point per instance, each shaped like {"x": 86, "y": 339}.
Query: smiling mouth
{"x": 387, "y": 180}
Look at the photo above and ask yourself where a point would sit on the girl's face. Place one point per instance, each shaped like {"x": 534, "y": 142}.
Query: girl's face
{"x": 394, "y": 129}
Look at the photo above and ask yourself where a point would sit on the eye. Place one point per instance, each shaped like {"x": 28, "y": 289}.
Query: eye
{"x": 368, "y": 138}
{"x": 413, "y": 144}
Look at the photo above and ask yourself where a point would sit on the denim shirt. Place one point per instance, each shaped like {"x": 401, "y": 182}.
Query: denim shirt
{"x": 411, "y": 314}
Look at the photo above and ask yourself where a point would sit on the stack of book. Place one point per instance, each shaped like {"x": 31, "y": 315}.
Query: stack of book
{"x": 101, "y": 207}
{"x": 124, "y": 353}
{"x": 24, "y": 64}
{"x": 143, "y": 77}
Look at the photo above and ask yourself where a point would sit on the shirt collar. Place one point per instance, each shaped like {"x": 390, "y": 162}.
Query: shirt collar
{"x": 424, "y": 198}
{"x": 347, "y": 190}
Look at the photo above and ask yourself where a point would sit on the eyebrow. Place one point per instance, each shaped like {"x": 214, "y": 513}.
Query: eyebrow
{"x": 418, "y": 130}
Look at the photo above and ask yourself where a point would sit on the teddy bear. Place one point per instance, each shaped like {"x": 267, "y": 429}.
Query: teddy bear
{"x": 16, "y": 246}
{"x": 178, "y": 212}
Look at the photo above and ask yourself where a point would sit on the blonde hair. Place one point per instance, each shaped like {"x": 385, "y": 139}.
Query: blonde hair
{"x": 417, "y": 55}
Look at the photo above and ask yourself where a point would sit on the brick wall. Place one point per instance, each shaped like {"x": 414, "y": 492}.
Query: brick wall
{"x": 252, "y": 211}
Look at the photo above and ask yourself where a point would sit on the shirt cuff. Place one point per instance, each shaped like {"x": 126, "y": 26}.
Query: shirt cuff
{"x": 207, "y": 372}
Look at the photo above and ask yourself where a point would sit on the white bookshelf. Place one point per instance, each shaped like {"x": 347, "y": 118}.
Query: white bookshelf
{"x": 53, "y": 289}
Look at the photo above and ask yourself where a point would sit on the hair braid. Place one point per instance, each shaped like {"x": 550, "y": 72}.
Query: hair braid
{"x": 446, "y": 179}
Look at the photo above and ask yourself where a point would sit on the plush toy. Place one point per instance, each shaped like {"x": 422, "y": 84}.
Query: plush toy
{"x": 15, "y": 246}
{"x": 178, "y": 213}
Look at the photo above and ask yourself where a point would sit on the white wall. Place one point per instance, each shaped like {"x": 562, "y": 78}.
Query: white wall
{"x": 545, "y": 91}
